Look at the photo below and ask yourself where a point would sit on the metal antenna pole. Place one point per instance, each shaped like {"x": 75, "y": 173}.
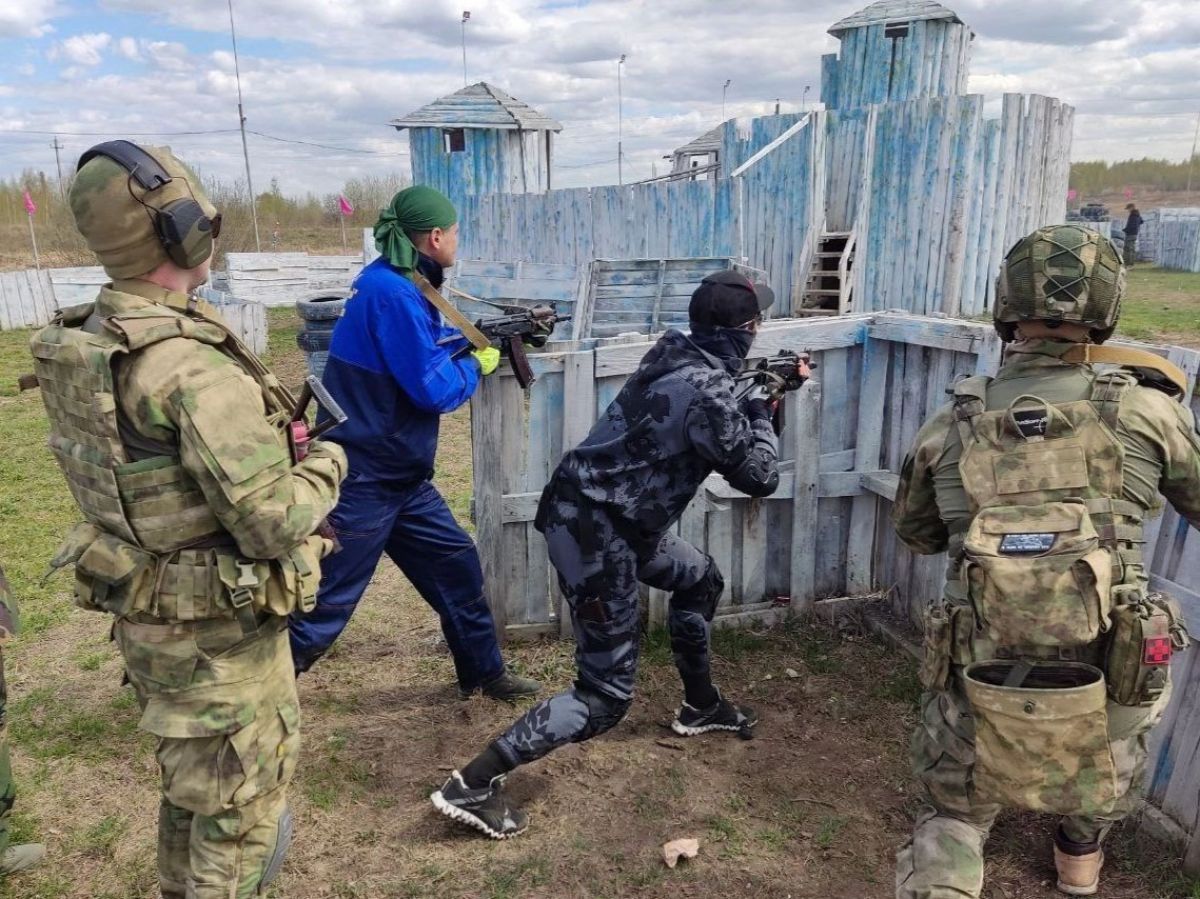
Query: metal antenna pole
{"x": 242, "y": 122}
{"x": 62, "y": 188}
{"x": 465, "y": 16}
{"x": 728, "y": 81}
{"x": 1192, "y": 158}
{"x": 620, "y": 121}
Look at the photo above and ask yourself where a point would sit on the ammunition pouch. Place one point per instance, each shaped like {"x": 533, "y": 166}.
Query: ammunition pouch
{"x": 114, "y": 576}
{"x": 1041, "y": 736}
{"x": 1037, "y": 575}
{"x": 1146, "y": 631}
{"x": 949, "y": 631}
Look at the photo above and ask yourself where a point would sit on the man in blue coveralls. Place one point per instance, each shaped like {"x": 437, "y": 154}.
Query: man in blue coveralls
{"x": 392, "y": 368}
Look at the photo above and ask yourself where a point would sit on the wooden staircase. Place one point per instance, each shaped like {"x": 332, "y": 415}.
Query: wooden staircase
{"x": 827, "y": 290}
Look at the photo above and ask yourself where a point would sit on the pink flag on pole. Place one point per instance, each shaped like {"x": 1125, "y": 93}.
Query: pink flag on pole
{"x": 30, "y": 206}
{"x": 1072, "y": 194}
{"x": 344, "y": 206}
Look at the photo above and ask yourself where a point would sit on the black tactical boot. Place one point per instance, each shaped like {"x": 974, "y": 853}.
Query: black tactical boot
{"x": 485, "y": 809}
{"x": 724, "y": 715}
{"x": 507, "y": 686}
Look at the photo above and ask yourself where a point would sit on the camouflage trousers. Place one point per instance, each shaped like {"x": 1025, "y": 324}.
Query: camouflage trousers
{"x": 599, "y": 571}
{"x": 8, "y": 791}
{"x": 944, "y": 857}
{"x": 225, "y": 710}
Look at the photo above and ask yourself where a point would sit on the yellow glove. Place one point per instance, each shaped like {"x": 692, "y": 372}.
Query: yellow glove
{"x": 488, "y": 359}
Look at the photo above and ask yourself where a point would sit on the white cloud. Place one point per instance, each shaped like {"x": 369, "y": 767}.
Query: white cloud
{"x": 339, "y": 71}
{"x": 26, "y": 18}
{"x": 128, "y": 47}
{"x": 82, "y": 49}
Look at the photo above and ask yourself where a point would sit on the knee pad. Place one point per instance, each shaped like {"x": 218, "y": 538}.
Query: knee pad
{"x": 604, "y": 712}
{"x": 703, "y": 595}
{"x": 283, "y": 839}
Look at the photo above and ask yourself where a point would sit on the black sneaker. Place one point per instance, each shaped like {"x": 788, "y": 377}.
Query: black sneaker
{"x": 507, "y": 686}
{"x": 690, "y": 722}
{"x": 484, "y": 809}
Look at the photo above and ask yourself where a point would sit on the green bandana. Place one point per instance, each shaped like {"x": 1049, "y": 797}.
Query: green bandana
{"x": 417, "y": 208}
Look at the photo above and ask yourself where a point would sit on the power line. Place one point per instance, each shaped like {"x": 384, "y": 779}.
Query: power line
{"x": 109, "y": 133}
{"x": 309, "y": 143}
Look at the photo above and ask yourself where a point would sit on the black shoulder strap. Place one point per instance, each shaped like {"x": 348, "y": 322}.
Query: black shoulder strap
{"x": 143, "y": 167}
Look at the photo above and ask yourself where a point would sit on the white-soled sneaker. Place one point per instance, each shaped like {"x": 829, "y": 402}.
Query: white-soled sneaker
{"x": 485, "y": 809}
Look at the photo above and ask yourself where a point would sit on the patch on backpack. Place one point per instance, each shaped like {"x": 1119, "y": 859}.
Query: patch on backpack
{"x": 1024, "y": 544}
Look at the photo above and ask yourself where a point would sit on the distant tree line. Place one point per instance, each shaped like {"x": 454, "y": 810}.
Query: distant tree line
{"x": 1091, "y": 178}
{"x": 292, "y": 216}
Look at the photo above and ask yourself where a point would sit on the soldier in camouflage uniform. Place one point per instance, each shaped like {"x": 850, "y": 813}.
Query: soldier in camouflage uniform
{"x": 607, "y": 514}
{"x": 12, "y": 858}
{"x": 199, "y": 519}
{"x": 1038, "y": 482}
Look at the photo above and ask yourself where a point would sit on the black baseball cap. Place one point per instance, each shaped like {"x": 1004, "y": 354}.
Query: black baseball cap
{"x": 728, "y": 299}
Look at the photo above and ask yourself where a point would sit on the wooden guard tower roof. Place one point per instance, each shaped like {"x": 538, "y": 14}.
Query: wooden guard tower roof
{"x": 886, "y": 11}
{"x": 480, "y": 105}
{"x": 705, "y": 143}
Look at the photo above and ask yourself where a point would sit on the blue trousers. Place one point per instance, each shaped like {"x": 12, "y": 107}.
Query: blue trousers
{"x": 414, "y": 526}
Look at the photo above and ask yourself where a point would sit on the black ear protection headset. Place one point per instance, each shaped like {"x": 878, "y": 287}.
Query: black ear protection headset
{"x": 184, "y": 230}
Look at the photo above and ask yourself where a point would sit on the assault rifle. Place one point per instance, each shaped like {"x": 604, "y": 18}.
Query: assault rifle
{"x": 516, "y": 327}
{"x": 769, "y": 379}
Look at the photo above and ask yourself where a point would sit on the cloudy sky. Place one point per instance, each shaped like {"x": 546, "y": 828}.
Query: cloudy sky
{"x": 331, "y": 73}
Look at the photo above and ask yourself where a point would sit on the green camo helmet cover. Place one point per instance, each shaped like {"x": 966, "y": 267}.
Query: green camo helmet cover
{"x": 1063, "y": 273}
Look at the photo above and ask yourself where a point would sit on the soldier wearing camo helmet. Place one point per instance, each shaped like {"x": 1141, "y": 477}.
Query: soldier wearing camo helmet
{"x": 1046, "y": 659}
{"x": 199, "y": 520}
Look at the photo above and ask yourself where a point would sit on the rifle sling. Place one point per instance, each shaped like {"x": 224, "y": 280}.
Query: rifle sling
{"x": 1121, "y": 355}
{"x": 474, "y": 336}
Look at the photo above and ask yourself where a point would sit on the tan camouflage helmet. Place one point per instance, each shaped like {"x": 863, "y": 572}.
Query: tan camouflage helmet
{"x": 1063, "y": 273}
{"x": 118, "y": 228}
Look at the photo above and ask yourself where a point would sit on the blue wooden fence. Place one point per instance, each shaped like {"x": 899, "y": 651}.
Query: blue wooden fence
{"x": 945, "y": 193}
{"x": 765, "y": 215}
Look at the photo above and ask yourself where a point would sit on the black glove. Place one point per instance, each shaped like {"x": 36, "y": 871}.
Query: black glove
{"x": 758, "y": 409}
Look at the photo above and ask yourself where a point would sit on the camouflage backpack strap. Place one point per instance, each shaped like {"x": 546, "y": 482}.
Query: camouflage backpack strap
{"x": 970, "y": 401}
{"x": 1108, "y": 389}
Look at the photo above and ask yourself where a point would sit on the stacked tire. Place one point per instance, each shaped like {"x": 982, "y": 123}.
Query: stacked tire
{"x": 318, "y": 313}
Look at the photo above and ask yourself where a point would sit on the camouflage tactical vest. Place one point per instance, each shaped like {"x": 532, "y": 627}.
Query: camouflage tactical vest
{"x": 150, "y": 542}
{"x": 1050, "y": 535}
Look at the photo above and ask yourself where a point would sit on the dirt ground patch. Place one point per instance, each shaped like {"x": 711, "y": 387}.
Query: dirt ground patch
{"x": 814, "y": 806}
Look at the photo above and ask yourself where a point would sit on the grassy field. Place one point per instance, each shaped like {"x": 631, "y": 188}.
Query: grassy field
{"x": 813, "y": 807}
{"x": 1162, "y": 306}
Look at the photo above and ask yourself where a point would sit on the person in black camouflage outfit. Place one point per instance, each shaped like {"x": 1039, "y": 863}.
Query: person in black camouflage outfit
{"x": 607, "y": 513}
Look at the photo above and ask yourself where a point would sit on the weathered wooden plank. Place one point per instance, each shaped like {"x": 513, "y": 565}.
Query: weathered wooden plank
{"x": 807, "y": 434}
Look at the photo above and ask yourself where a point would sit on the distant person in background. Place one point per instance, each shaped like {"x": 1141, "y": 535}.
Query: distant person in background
{"x": 1133, "y": 224}
{"x": 275, "y": 237}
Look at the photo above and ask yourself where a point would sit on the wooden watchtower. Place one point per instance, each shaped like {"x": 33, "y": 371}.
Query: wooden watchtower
{"x": 896, "y": 50}
{"x": 479, "y": 140}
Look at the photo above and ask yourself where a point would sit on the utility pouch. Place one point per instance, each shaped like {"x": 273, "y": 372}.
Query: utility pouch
{"x": 934, "y": 672}
{"x": 1037, "y": 575}
{"x": 114, "y": 576}
{"x": 1146, "y": 631}
{"x": 1041, "y": 736}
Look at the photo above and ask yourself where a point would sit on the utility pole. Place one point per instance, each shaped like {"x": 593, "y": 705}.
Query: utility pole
{"x": 728, "y": 81}
{"x": 242, "y": 123}
{"x": 620, "y": 120}
{"x": 1192, "y": 158}
{"x": 466, "y": 16}
{"x": 62, "y": 188}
